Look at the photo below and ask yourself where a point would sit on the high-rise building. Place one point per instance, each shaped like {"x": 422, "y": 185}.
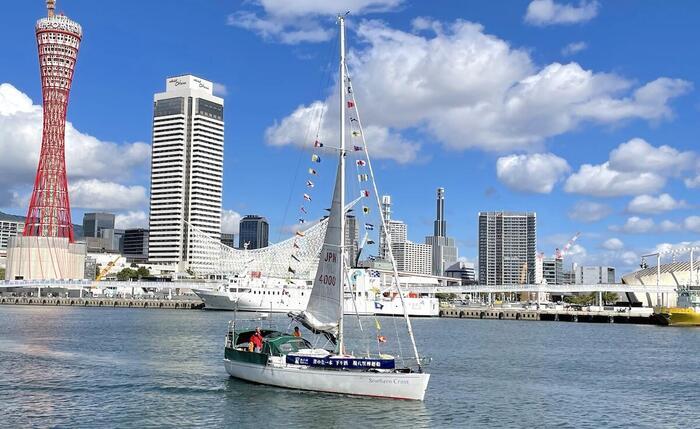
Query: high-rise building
{"x": 588, "y": 275}
{"x": 410, "y": 257}
{"x": 46, "y": 249}
{"x": 507, "y": 243}
{"x": 352, "y": 236}
{"x": 254, "y": 232}
{"x": 94, "y": 223}
{"x": 444, "y": 248}
{"x": 186, "y": 171}
{"x": 135, "y": 247}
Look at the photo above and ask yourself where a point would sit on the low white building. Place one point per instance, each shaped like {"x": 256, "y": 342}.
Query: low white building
{"x": 589, "y": 275}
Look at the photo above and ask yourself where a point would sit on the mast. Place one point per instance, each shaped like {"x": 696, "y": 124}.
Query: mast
{"x": 341, "y": 87}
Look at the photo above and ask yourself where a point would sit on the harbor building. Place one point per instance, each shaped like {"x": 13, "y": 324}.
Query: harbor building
{"x": 444, "y": 250}
{"x": 413, "y": 257}
{"x": 507, "y": 243}
{"x": 100, "y": 234}
{"x": 10, "y": 226}
{"x": 94, "y": 223}
{"x": 590, "y": 275}
{"x": 47, "y": 250}
{"x": 228, "y": 239}
{"x": 462, "y": 270}
{"x": 186, "y": 171}
{"x": 135, "y": 244}
{"x": 254, "y": 232}
{"x": 553, "y": 271}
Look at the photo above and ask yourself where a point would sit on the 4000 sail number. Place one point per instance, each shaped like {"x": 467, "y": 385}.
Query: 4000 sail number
{"x": 326, "y": 279}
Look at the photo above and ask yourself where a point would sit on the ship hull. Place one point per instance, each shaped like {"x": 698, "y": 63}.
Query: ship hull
{"x": 392, "y": 385}
{"x": 678, "y": 317}
{"x": 295, "y": 300}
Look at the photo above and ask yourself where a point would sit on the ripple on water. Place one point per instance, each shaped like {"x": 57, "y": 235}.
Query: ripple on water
{"x": 120, "y": 368}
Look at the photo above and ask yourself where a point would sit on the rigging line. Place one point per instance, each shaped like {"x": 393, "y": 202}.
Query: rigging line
{"x": 322, "y": 83}
{"x": 386, "y": 232}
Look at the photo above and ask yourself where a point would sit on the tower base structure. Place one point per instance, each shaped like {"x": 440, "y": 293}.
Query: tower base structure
{"x": 45, "y": 258}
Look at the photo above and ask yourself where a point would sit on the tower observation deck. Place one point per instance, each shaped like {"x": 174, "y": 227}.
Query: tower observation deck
{"x": 58, "y": 39}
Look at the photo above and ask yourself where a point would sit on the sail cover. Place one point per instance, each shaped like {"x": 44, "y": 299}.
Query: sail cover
{"x": 323, "y": 312}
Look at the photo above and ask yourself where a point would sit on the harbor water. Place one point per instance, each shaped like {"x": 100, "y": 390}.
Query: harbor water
{"x": 98, "y": 367}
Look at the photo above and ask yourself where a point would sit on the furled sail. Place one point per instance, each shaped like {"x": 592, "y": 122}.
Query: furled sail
{"x": 323, "y": 312}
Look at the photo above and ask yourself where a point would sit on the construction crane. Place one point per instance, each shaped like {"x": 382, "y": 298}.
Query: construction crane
{"x": 559, "y": 254}
{"x": 105, "y": 270}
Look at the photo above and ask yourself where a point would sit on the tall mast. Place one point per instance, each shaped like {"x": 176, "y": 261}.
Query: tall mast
{"x": 341, "y": 87}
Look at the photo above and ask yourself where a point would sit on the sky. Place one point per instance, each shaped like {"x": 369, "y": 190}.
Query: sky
{"x": 584, "y": 112}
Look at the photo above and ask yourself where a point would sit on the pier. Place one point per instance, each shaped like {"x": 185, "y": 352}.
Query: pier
{"x": 634, "y": 315}
{"x": 175, "y": 304}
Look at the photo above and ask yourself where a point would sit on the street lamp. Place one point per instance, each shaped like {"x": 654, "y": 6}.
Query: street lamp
{"x": 658, "y": 273}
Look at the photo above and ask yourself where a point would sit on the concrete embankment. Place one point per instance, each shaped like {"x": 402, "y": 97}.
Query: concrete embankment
{"x": 565, "y": 315}
{"x": 175, "y": 304}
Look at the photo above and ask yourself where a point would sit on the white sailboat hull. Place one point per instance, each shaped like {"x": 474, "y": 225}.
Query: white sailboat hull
{"x": 376, "y": 384}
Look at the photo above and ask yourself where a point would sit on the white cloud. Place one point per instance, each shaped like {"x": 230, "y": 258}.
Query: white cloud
{"x": 589, "y": 211}
{"x": 692, "y": 223}
{"x": 86, "y": 156}
{"x": 669, "y": 226}
{"x": 602, "y": 181}
{"x": 649, "y": 204}
{"x": 131, "y": 219}
{"x": 98, "y": 195}
{"x": 613, "y": 244}
{"x": 293, "y": 22}
{"x": 634, "y": 168}
{"x": 297, "y": 129}
{"x": 692, "y": 182}
{"x": 220, "y": 89}
{"x": 464, "y": 88}
{"x": 573, "y": 48}
{"x": 637, "y": 155}
{"x": 531, "y": 173}
{"x": 230, "y": 221}
{"x": 548, "y": 12}
{"x": 635, "y": 225}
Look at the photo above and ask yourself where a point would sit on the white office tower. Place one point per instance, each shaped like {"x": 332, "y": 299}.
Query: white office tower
{"x": 186, "y": 172}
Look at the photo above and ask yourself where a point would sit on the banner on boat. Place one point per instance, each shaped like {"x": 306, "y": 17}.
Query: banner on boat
{"x": 338, "y": 362}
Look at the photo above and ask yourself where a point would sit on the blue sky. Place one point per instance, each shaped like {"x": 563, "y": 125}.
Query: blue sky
{"x": 482, "y": 98}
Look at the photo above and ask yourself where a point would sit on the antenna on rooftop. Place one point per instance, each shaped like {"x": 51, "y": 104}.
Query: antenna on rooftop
{"x": 51, "y": 7}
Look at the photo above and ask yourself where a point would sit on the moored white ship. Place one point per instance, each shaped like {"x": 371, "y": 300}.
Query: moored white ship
{"x": 369, "y": 295}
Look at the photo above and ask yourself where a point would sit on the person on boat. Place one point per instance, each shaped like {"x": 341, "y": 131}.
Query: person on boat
{"x": 257, "y": 339}
{"x": 297, "y": 332}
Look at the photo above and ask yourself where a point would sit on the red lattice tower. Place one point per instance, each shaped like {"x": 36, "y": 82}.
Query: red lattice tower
{"x": 58, "y": 39}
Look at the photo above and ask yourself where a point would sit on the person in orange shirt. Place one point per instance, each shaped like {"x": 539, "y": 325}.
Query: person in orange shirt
{"x": 297, "y": 332}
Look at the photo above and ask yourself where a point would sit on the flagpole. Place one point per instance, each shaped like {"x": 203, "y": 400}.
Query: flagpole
{"x": 341, "y": 87}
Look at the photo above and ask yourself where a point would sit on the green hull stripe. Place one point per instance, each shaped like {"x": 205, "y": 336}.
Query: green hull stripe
{"x": 248, "y": 357}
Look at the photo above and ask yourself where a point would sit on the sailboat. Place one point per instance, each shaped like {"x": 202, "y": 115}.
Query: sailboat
{"x": 281, "y": 359}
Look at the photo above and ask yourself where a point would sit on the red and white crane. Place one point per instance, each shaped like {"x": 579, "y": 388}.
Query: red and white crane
{"x": 559, "y": 254}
